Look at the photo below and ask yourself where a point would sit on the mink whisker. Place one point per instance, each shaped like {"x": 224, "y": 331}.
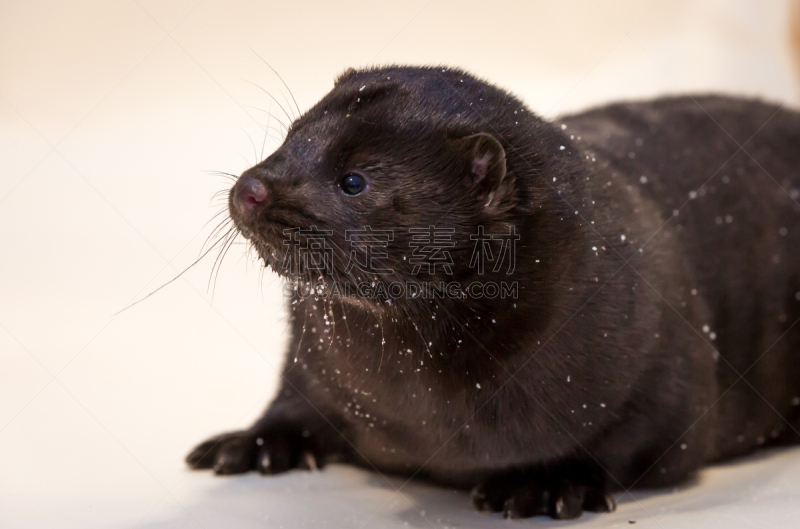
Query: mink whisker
{"x": 255, "y": 153}
{"x": 266, "y": 133}
{"x": 229, "y": 235}
{"x": 281, "y": 78}
{"x": 168, "y": 282}
{"x": 281, "y": 132}
{"x": 273, "y": 98}
{"x": 222, "y": 173}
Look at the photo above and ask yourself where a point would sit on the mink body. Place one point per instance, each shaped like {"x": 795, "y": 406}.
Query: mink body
{"x": 658, "y": 275}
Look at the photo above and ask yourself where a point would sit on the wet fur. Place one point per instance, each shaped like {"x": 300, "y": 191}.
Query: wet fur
{"x": 603, "y": 374}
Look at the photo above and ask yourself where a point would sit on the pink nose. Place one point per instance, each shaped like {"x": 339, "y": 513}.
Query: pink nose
{"x": 249, "y": 193}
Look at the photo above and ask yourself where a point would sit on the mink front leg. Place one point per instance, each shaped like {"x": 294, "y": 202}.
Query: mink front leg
{"x": 291, "y": 434}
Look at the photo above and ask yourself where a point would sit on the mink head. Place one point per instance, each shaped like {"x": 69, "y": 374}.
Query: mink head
{"x": 398, "y": 174}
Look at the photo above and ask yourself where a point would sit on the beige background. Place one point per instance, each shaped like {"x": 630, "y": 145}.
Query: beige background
{"x": 111, "y": 115}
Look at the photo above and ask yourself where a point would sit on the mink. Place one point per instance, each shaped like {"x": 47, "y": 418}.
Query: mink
{"x": 543, "y": 312}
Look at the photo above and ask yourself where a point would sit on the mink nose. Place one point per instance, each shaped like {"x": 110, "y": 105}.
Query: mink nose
{"x": 248, "y": 194}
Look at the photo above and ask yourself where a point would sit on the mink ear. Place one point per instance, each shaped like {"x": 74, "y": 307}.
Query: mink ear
{"x": 486, "y": 160}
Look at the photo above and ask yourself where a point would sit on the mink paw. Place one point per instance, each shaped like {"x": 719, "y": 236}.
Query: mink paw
{"x": 561, "y": 500}
{"x": 239, "y": 452}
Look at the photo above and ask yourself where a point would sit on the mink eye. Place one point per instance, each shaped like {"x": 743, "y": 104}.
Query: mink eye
{"x": 353, "y": 184}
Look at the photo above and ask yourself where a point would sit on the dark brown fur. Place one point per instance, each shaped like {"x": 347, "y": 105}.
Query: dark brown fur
{"x": 658, "y": 272}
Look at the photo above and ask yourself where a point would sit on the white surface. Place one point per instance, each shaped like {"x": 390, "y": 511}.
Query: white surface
{"x": 110, "y": 112}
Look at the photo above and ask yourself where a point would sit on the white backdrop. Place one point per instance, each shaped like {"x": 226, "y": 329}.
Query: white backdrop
{"x": 112, "y": 114}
